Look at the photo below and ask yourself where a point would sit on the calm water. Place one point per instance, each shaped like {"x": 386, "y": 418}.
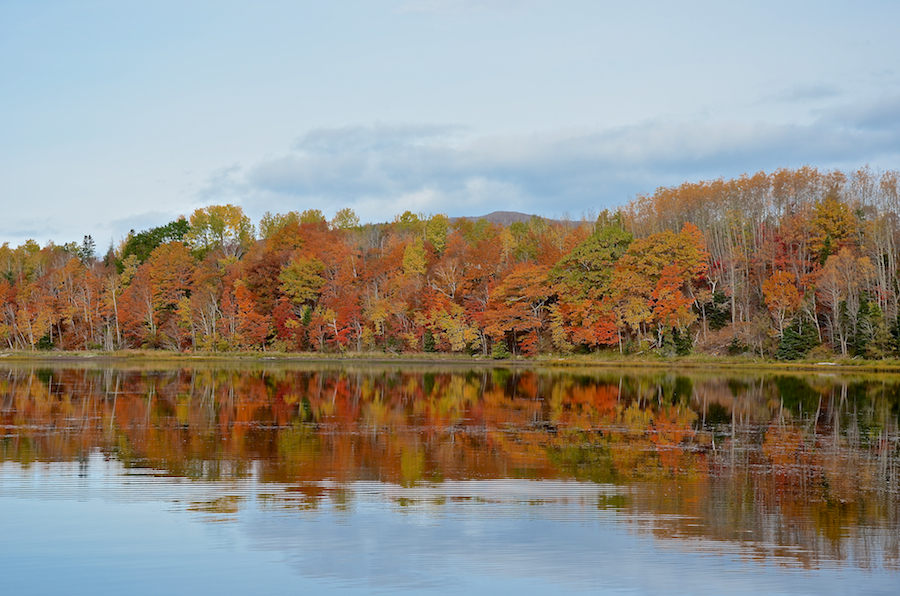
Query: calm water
{"x": 359, "y": 479}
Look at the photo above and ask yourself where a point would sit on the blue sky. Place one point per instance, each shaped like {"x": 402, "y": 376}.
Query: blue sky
{"x": 120, "y": 115}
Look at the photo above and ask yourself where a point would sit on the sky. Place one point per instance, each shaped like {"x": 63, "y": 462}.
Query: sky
{"x": 124, "y": 115}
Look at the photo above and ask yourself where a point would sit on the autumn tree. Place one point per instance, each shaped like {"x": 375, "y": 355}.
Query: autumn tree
{"x": 517, "y": 307}
{"x": 345, "y": 219}
{"x": 414, "y": 261}
{"x": 436, "y": 229}
{"x": 312, "y": 216}
{"x": 834, "y": 225}
{"x": 222, "y": 227}
{"x": 843, "y": 278}
{"x": 252, "y": 328}
{"x": 746, "y": 248}
{"x": 657, "y": 277}
{"x": 301, "y": 279}
{"x": 171, "y": 270}
{"x": 270, "y": 224}
{"x": 782, "y": 298}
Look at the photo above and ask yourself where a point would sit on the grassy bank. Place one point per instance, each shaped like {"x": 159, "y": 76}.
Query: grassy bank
{"x": 603, "y": 360}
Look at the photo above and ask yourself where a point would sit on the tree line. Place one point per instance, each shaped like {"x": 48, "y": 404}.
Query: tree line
{"x": 776, "y": 264}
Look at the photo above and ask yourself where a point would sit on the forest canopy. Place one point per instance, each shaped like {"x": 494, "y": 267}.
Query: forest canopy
{"x": 776, "y": 264}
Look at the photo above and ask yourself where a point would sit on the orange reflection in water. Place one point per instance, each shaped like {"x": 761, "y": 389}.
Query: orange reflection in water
{"x": 799, "y": 467}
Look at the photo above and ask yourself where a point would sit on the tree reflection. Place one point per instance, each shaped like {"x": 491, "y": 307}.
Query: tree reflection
{"x": 802, "y": 468}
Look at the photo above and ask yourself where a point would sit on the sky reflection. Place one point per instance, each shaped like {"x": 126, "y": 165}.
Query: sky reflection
{"x": 331, "y": 480}
{"x": 104, "y": 529}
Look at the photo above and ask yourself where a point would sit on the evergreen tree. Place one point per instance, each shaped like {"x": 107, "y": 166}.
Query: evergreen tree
{"x": 797, "y": 341}
{"x": 87, "y": 252}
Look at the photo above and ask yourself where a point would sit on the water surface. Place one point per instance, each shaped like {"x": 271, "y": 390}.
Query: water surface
{"x": 359, "y": 479}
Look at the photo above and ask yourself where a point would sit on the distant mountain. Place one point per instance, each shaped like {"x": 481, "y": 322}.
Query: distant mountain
{"x": 506, "y": 218}
{"x": 499, "y": 217}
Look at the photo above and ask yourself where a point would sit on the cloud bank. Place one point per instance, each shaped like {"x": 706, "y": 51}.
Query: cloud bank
{"x": 383, "y": 170}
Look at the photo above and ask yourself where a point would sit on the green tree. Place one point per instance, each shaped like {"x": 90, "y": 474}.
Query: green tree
{"x": 143, "y": 243}
{"x": 796, "y": 341}
{"x": 88, "y": 250}
{"x": 587, "y": 271}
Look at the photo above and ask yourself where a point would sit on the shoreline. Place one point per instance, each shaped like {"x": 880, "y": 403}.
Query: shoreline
{"x": 547, "y": 361}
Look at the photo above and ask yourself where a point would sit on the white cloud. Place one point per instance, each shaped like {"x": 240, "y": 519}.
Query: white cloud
{"x": 384, "y": 170}
{"x": 370, "y": 138}
{"x": 40, "y": 230}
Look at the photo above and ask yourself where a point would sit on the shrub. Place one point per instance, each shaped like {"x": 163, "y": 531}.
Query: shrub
{"x": 499, "y": 351}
